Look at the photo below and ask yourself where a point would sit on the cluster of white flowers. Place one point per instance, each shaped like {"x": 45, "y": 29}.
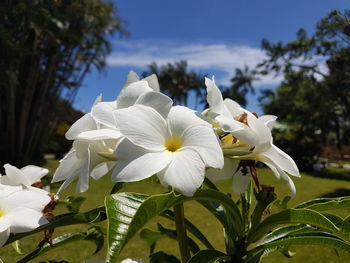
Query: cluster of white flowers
{"x": 21, "y": 204}
{"x": 142, "y": 134}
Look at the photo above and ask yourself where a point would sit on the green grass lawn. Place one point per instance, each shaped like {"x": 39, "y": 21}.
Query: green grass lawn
{"x": 308, "y": 187}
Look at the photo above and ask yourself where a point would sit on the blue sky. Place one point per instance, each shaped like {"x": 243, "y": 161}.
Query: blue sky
{"x": 214, "y": 37}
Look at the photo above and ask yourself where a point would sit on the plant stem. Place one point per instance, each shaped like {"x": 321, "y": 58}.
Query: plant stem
{"x": 181, "y": 232}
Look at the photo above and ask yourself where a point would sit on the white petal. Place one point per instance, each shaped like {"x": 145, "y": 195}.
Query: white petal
{"x": 214, "y": 97}
{"x": 85, "y": 123}
{"x": 68, "y": 167}
{"x": 83, "y": 181}
{"x": 153, "y": 82}
{"x": 143, "y": 126}
{"x": 7, "y": 188}
{"x": 101, "y": 134}
{"x": 4, "y": 235}
{"x": 4, "y": 225}
{"x": 268, "y": 120}
{"x": 16, "y": 175}
{"x": 32, "y": 199}
{"x": 127, "y": 150}
{"x": 101, "y": 170}
{"x": 280, "y": 174}
{"x": 204, "y": 140}
{"x": 128, "y": 96}
{"x": 24, "y": 219}
{"x": 227, "y": 172}
{"x": 34, "y": 173}
{"x": 261, "y": 130}
{"x": 239, "y": 130}
{"x": 181, "y": 118}
{"x": 5, "y": 180}
{"x": 103, "y": 113}
{"x": 67, "y": 182}
{"x": 290, "y": 183}
{"x": 94, "y": 158}
{"x": 157, "y": 101}
{"x": 81, "y": 148}
{"x": 240, "y": 182}
{"x": 185, "y": 173}
{"x": 233, "y": 107}
{"x": 229, "y": 124}
{"x": 247, "y": 136}
{"x": 273, "y": 168}
{"x": 294, "y": 168}
{"x": 280, "y": 159}
{"x": 131, "y": 78}
{"x": 140, "y": 167}
{"x": 83, "y": 178}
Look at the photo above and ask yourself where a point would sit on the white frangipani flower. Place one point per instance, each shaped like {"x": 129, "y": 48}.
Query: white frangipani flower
{"x": 21, "y": 211}
{"x": 81, "y": 162}
{"x": 83, "y": 159}
{"x": 173, "y": 143}
{"x": 249, "y": 138}
{"x": 97, "y": 132}
{"x": 85, "y": 123}
{"x": 25, "y": 176}
{"x": 133, "y": 89}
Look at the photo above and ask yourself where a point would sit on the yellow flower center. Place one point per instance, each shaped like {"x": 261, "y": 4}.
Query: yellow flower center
{"x": 173, "y": 144}
{"x": 228, "y": 140}
{"x": 216, "y": 125}
{"x": 2, "y": 213}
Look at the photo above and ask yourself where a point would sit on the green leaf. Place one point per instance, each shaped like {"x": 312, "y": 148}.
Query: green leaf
{"x": 16, "y": 247}
{"x": 249, "y": 194}
{"x": 217, "y": 210}
{"x": 282, "y": 232}
{"x": 190, "y": 228}
{"x": 292, "y": 216}
{"x": 309, "y": 238}
{"x": 208, "y": 256}
{"x": 335, "y": 219}
{"x": 322, "y": 239}
{"x": 162, "y": 257}
{"x": 324, "y": 204}
{"x": 346, "y": 226}
{"x": 116, "y": 187}
{"x": 210, "y": 184}
{"x": 258, "y": 255}
{"x": 173, "y": 235}
{"x": 281, "y": 205}
{"x": 129, "y": 212}
{"x": 73, "y": 203}
{"x": 151, "y": 237}
{"x": 92, "y": 235}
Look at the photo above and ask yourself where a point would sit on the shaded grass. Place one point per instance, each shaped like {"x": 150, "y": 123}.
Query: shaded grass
{"x": 308, "y": 187}
{"x": 334, "y": 173}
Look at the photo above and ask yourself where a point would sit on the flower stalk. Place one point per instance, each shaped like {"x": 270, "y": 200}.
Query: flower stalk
{"x": 181, "y": 232}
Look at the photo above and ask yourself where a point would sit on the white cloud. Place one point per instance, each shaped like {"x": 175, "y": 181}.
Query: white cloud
{"x": 205, "y": 57}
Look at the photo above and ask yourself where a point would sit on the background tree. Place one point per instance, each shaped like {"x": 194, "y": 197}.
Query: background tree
{"x": 313, "y": 101}
{"x": 47, "y": 47}
{"x": 177, "y": 82}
